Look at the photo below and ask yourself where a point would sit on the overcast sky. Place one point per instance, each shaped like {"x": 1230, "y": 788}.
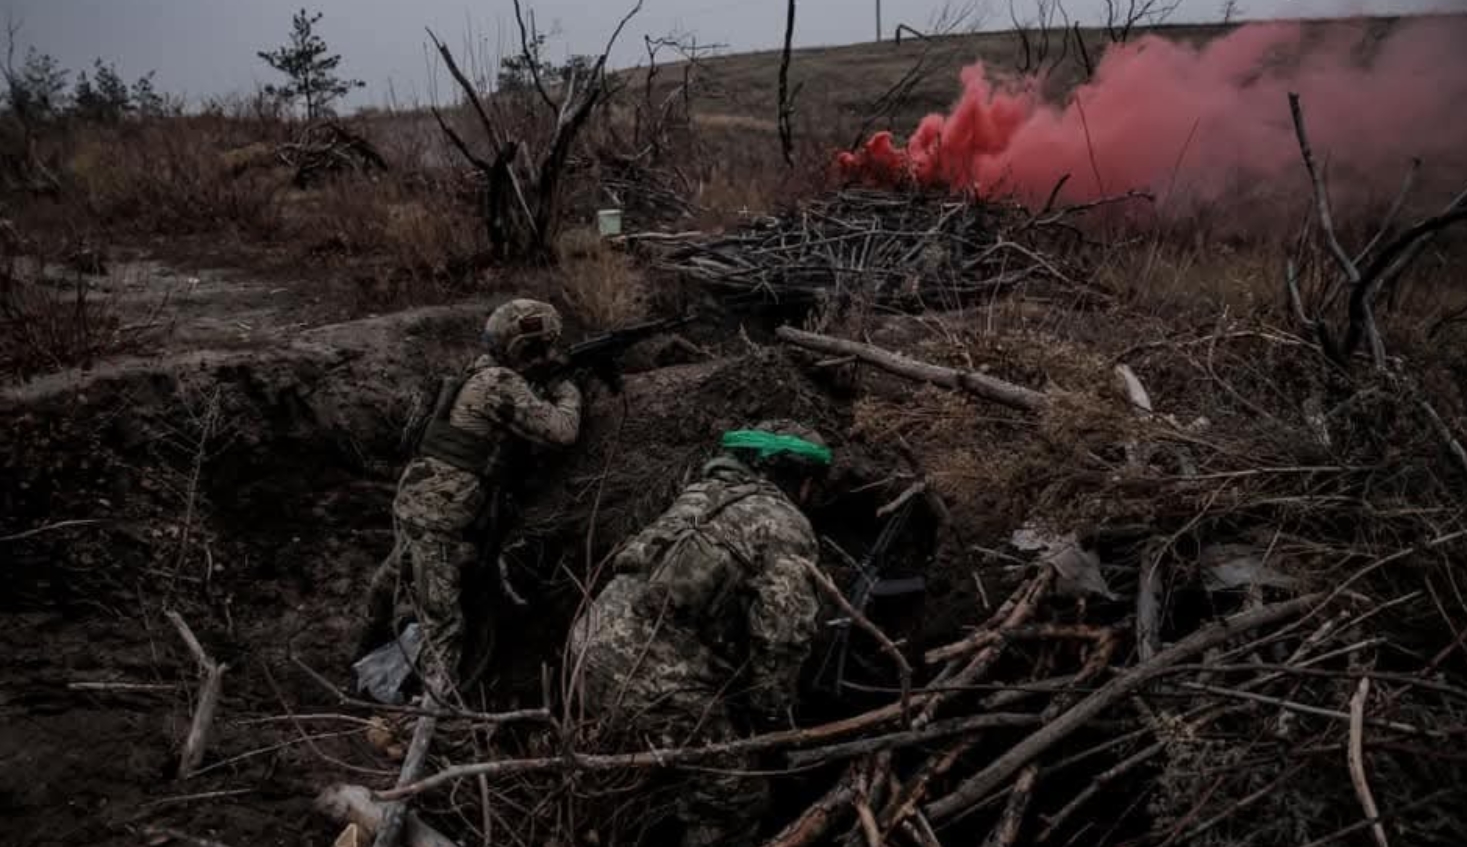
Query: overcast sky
{"x": 207, "y": 47}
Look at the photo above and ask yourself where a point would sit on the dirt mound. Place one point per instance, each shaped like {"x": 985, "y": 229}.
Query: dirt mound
{"x": 247, "y": 489}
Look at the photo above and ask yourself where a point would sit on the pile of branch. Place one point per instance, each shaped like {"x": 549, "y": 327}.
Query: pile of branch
{"x": 1040, "y": 725}
{"x": 891, "y": 248}
{"x": 329, "y": 148}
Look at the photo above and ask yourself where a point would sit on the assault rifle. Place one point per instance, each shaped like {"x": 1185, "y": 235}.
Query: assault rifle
{"x": 598, "y": 355}
{"x": 870, "y": 583}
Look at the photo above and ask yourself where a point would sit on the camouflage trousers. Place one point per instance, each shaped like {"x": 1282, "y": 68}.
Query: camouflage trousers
{"x": 437, "y": 564}
{"x": 661, "y": 686}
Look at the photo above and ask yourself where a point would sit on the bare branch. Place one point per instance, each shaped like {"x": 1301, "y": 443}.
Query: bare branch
{"x": 468, "y": 88}
{"x": 786, "y": 98}
{"x": 1022, "y": 754}
{"x": 1321, "y": 194}
{"x": 1356, "y": 760}
{"x": 530, "y": 52}
{"x": 1362, "y": 317}
{"x": 1395, "y": 210}
{"x": 211, "y": 680}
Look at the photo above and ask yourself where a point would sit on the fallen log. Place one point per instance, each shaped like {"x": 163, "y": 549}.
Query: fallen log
{"x": 353, "y": 804}
{"x": 990, "y": 778}
{"x": 981, "y": 385}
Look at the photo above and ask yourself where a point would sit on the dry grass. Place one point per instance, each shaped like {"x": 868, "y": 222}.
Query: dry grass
{"x": 50, "y": 320}
{"x": 601, "y": 287}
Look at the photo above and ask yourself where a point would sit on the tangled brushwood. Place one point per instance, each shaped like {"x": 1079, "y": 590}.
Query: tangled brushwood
{"x": 912, "y": 250}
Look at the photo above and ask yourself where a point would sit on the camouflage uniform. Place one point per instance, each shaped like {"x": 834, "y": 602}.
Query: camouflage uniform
{"x": 437, "y": 501}
{"x": 711, "y": 607}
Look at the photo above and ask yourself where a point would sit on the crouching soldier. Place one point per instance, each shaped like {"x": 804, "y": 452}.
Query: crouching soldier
{"x": 493, "y": 419}
{"x": 701, "y": 633}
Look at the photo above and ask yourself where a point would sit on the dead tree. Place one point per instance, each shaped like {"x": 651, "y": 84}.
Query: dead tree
{"x": 532, "y": 140}
{"x": 657, "y": 116}
{"x": 1365, "y": 277}
{"x": 786, "y": 96}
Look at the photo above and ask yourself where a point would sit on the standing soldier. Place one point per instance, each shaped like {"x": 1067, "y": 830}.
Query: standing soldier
{"x": 483, "y": 422}
{"x": 702, "y": 632}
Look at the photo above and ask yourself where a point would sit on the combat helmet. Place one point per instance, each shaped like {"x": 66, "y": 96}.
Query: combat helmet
{"x": 521, "y": 330}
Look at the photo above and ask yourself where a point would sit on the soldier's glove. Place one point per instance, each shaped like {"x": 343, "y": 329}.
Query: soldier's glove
{"x": 565, "y": 390}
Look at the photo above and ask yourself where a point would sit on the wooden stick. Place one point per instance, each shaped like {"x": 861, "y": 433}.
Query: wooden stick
{"x": 918, "y": 487}
{"x": 1356, "y": 759}
{"x": 1014, "y": 611}
{"x": 864, "y": 816}
{"x": 981, "y": 385}
{"x": 903, "y": 668}
{"x": 119, "y": 686}
{"x": 394, "y": 814}
{"x": 906, "y": 806}
{"x": 354, "y": 804}
{"x": 657, "y": 757}
{"x": 907, "y": 738}
{"x": 1096, "y": 784}
{"x": 1006, "y": 833}
{"x": 50, "y": 527}
{"x": 817, "y": 820}
{"x": 990, "y": 778}
{"x": 1302, "y": 708}
{"x": 210, "y": 685}
{"x": 1036, "y": 632}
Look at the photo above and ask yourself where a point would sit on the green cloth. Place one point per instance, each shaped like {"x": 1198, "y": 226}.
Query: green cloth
{"x": 768, "y": 444}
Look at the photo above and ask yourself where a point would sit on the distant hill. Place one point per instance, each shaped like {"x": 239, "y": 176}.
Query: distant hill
{"x": 842, "y": 87}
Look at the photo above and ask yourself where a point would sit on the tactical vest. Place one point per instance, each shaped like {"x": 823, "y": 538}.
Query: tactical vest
{"x": 447, "y": 443}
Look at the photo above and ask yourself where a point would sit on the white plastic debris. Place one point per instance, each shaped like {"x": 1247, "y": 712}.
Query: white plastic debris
{"x": 382, "y": 672}
{"x": 1078, "y": 569}
{"x": 1231, "y": 566}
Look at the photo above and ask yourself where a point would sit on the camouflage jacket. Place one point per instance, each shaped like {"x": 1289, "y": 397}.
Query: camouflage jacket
{"x": 497, "y": 404}
{"x": 726, "y": 563}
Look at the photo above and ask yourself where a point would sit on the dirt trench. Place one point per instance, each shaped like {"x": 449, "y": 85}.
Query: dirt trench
{"x": 249, "y": 490}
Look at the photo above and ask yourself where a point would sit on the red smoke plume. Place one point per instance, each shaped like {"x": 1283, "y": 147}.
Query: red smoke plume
{"x": 1198, "y": 122}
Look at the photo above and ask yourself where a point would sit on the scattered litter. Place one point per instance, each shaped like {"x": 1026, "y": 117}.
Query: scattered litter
{"x": 382, "y": 672}
{"x": 1231, "y": 566}
{"x": 1078, "y": 568}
